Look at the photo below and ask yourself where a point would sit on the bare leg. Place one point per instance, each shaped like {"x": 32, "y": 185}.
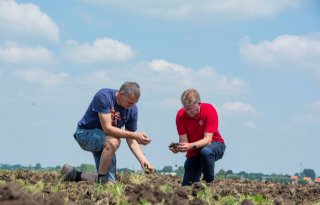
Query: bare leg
{"x": 110, "y": 147}
{"x": 90, "y": 177}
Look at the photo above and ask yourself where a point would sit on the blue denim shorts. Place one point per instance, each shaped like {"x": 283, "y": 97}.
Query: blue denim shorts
{"x": 92, "y": 140}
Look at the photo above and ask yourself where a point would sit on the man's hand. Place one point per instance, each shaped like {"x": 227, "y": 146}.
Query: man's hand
{"x": 142, "y": 138}
{"x": 147, "y": 167}
{"x": 184, "y": 146}
{"x": 173, "y": 149}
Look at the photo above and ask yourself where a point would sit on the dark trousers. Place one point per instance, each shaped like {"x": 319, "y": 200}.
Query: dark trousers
{"x": 203, "y": 163}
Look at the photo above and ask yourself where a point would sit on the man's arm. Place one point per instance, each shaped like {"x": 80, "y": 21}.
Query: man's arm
{"x": 207, "y": 138}
{"x": 184, "y": 145}
{"x": 137, "y": 151}
{"x": 183, "y": 138}
{"x": 106, "y": 124}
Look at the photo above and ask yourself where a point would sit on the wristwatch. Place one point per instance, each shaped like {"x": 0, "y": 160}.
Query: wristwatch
{"x": 194, "y": 146}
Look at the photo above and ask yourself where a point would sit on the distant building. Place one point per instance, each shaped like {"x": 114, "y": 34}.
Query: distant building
{"x": 309, "y": 180}
{"x": 317, "y": 180}
{"x": 169, "y": 173}
{"x": 294, "y": 179}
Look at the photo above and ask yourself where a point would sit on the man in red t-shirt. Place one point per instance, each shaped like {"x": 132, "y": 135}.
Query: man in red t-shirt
{"x": 197, "y": 126}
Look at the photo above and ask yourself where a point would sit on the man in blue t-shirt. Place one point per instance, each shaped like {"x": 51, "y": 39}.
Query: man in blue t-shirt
{"x": 99, "y": 131}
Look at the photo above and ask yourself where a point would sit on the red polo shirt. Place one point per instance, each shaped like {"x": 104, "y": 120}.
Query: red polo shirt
{"x": 195, "y": 128}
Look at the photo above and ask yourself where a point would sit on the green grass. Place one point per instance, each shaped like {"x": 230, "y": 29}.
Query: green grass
{"x": 136, "y": 178}
{"x": 231, "y": 200}
{"x": 166, "y": 188}
{"x": 143, "y": 201}
{"x": 38, "y": 187}
{"x": 205, "y": 195}
{"x": 116, "y": 190}
{"x": 98, "y": 193}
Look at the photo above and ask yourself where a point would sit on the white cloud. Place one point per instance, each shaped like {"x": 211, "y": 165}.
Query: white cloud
{"x": 22, "y": 19}
{"x": 204, "y": 10}
{"x": 12, "y": 53}
{"x": 161, "y": 79}
{"x": 100, "y": 50}
{"x": 205, "y": 79}
{"x": 285, "y": 52}
{"x": 41, "y": 76}
{"x": 161, "y": 65}
{"x": 237, "y": 107}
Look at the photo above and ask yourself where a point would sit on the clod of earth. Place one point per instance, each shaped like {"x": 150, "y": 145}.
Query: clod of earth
{"x": 173, "y": 145}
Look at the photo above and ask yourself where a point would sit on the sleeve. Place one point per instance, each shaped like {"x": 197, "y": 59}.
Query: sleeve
{"x": 132, "y": 122}
{"x": 181, "y": 129}
{"x": 101, "y": 103}
{"x": 211, "y": 125}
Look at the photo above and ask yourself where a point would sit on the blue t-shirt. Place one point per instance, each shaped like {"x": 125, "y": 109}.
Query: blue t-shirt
{"x": 105, "y": 102}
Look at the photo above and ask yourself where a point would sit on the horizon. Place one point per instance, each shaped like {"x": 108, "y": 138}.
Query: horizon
{"x": 173, "y": 167}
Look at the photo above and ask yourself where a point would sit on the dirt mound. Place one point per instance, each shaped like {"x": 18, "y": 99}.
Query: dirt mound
{"x": 26, "y": 187}
{"x": 11, "y": 193}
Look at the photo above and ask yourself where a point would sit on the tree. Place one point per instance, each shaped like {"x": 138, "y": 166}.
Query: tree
{"x": 243, "y": 174}
{"x": 167, "y": 169}
{"x": 233, "y": 176}
{"x": 221, "y": 174}
{"x": 229, "y": 172}
{"x": 38, "y": 166}
{"x": 309, "y": 173}
{"x": 302, "y": 181}
{"x": 180, "y": 171}
{"x": 87, "y": 168}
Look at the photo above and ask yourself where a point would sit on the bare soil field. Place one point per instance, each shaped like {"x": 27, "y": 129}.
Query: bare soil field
{"x": 29, "y": 187}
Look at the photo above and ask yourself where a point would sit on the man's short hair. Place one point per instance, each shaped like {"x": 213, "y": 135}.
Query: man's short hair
{"x": 129, "y": 88}
{"x": 190, "y": 96}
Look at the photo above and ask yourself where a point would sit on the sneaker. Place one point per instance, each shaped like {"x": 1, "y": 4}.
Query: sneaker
{"x": 68, "y": 173}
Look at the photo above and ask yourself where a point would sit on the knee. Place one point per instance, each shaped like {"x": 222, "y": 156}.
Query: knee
{"x": 205, "y": 152}
{"x": 112, "y": 143}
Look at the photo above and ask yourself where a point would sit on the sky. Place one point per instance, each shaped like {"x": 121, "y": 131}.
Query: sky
{"x": 256, "y": 61}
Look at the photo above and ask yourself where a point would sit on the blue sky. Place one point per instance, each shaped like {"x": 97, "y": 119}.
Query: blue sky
{"x": 256, "y": 61}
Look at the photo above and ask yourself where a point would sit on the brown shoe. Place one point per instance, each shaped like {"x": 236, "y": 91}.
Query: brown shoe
{"x": 68, "y": 173}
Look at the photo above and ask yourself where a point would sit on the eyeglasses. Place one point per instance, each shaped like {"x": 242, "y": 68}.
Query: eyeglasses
{"x": 192, "y": 108}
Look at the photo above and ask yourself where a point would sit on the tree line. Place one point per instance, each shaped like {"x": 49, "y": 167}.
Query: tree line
{"x": 179, "y": 171}
{"x": 279, "y": 178}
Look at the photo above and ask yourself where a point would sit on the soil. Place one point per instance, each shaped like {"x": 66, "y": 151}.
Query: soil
{"x": 147, "y": 170}
{"x": 174, "y": 145}
{"x": 27, "y": 187}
